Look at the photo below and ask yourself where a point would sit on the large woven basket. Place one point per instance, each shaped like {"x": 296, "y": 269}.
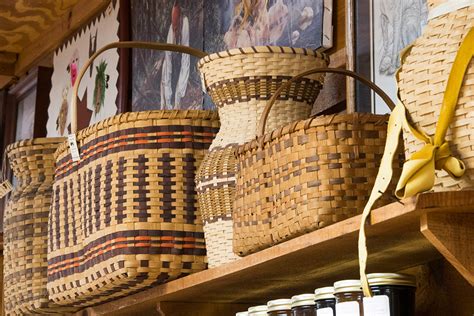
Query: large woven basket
{"x": 422, "y": 82}
{"x": 25, "y": 228}
{"x": 125, "y": 217}
{"x": 240, "y": 82}
{"x": 306, "y": 175}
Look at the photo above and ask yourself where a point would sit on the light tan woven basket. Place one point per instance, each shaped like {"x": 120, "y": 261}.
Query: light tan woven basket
{"x": 25, "y": 228}
{"x": 125, "y": 217}
{"x": 306, "y": 175}
{"x": 422, "y": 82}
{"x": 240, "y": 81}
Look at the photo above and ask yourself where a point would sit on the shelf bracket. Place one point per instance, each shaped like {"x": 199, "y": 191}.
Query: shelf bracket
{"x": 452, "y": 234}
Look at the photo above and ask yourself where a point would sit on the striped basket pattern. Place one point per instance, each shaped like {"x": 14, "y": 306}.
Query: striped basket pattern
{"x": 125, "y": 217}
{"x": 25, "y": 228}
{"x": 240, "y": 82}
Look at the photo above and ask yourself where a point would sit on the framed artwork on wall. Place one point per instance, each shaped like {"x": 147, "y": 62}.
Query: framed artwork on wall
{"x": 383, "y": 28}
{"x": 98, "y": 96}
{"x": 165, "y": 80}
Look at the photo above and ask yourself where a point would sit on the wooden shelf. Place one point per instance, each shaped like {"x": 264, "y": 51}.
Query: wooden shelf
{"x": 302, "y": 264}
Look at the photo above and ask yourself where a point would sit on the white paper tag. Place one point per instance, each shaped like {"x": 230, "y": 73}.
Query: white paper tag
{"x": 5, "y": 188}
{"x": 325, "y": 312}
{"x": 348, "y": 309}
{"x": 377, "y": 306}
{"x": 71, "y": 138}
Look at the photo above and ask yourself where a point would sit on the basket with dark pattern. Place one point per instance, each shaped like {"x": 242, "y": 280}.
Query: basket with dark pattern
{"x": 240, "y": 82}
{"x": 306, "y": 175}
{"x": 125, "y": 217}
{"x": 25, "y": 228}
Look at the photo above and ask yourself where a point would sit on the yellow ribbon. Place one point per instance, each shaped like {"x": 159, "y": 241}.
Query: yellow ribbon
{"x": 418, "y": 173}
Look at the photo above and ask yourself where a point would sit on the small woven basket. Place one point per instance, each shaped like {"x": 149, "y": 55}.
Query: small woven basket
{"x": 125, "y": 217}
{"x": 25, "y": 228}
{"x": 306, "y": 175}
{"x": 240, "y": 82}
{"x": 422, "y": 82}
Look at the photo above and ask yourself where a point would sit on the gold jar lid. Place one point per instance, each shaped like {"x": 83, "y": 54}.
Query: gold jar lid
{"x": 260, "y": 310}
{"x": 282, "y": 304}
{"x": 242, "y": 314}
{"x": 347, "y": 286}
{"x": 302, "y": 300}
{"x": 391, "y": 279}
{"x": 324, "y": 293}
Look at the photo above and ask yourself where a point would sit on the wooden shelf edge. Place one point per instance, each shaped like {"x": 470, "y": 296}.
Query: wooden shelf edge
{"x": 388, "y": 221}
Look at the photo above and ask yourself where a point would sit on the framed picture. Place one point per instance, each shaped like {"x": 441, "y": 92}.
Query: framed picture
{"x": 296, "y": 23}
{"x": 166, "y": 80}
{"x": 383, "y": 28}
{"x": 98, "y": 96}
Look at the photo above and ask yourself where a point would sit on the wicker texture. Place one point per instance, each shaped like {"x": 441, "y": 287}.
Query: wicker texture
{"x": 126, "y": 217}
{"x": 422, "y": 82}
{"x": 240, "y": 81}
{"x": 305, "y": 176}
{"x": 25, "y": 228}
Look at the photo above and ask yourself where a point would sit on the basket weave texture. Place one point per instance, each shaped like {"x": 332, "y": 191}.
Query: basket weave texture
{"x": 240, "y": 82}
{"x": 25, "y": 228}
{"x": 305, "y": 176}
{"x": 422, "y": 83}
{"x": 125, "y": 217}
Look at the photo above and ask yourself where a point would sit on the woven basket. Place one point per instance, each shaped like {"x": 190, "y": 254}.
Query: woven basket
{"x": 306, "y": 175}
{"x": 422, "y": 81}
{"x": 125, "y": 217}
{"x": 25, "y": 228}
{"x": 240, "y": 81}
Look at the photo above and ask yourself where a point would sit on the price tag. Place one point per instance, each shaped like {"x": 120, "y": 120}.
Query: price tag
{"x": 71, "y": 138}
{"x": 377, "y": 306}
{"x": 348, "y": 309}
{"x": 325, "y": 312}
{"x": 5, "y": 188}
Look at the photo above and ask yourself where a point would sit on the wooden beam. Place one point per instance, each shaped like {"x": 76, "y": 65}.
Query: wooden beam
{"x": 64, "y": 27}
{"x": 8, "y": 58}
{"x": 5, "y": 80}
{"x": 453, "y": 235}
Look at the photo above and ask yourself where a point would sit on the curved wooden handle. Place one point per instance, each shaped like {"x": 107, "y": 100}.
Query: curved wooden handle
{"x": 132, "y": 44}
{"x": 370, "y": 84}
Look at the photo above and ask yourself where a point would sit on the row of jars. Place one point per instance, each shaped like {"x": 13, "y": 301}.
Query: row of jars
{"x": 393, "y": 295}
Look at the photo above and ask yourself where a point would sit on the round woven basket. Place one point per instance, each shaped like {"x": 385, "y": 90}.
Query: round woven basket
{"x": 25, "y": 228}
{"x": 240, "y": 82}
{"x": 422, "y": 81}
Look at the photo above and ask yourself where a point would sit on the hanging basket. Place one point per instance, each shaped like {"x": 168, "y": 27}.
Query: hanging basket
{"x": 125, "y": 217}
{"x": 240, "y": 82}
{"x": 306, "y": 175}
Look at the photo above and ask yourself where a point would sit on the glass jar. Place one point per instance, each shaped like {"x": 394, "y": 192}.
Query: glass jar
{"x": 397, "y": 290}
{"x": 242, "y": 314}
{"x": 325, "y": 301}
{"x": 260, "y": 310}
{"x": 281, "y": 307}
{"x": 349, "y": 298}
{"x": 303, "y": 305}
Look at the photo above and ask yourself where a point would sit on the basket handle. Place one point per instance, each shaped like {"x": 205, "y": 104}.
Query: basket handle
{"x": 129, "y": 44}
{"x": 368, "y": 83}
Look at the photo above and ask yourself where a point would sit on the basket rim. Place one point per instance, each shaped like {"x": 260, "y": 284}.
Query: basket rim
{"x": 34, "y": 141}
{"x": 139, "y": 116}
{"x": 262, "y": 49}
{"x": 316, "y": 121}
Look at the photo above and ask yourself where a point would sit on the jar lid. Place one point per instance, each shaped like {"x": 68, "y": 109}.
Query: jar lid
{"x": 302, "y": 300}
{"x": 242, "y": 314}
{"x": 282, "y": 304}
{"x": 347, "y": 286}
{"x": 324, "y": 293}
{"x": 391, "y": 279}
{"x": 257, "y": 310}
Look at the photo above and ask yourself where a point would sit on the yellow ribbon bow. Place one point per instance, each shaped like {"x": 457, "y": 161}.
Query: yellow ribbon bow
{"x": 418, "y": 173}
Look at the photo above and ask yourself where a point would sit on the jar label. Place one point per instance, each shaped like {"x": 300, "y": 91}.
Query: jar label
{"x": 348, "y": 309}
{"x": 377, "y": 306}
{"x": 325, "y": 312}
